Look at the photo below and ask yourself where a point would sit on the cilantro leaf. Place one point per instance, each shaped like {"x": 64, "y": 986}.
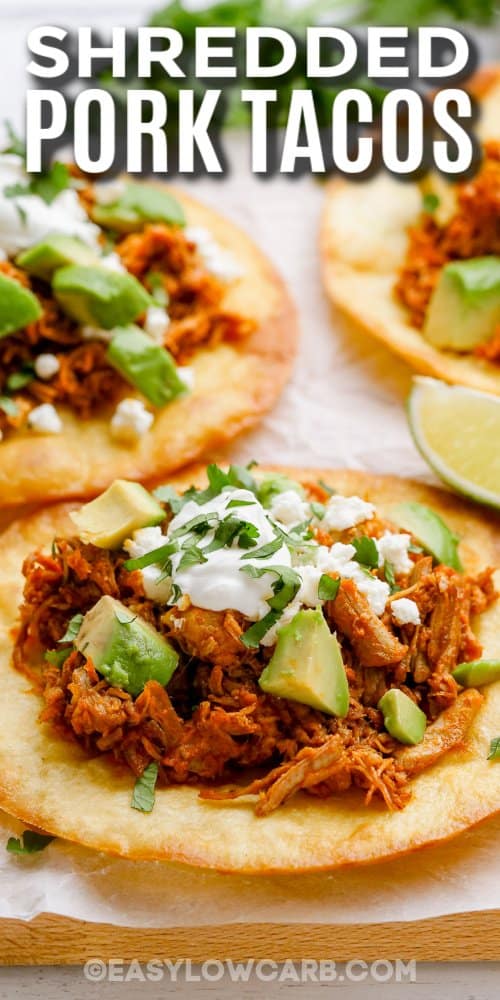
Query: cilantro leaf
{"x": 328, "y": 587}
{"x": 324, "y": 486}
{"x": 366, "y": 551}
{"x": 143, "y": 796}
{"x": 430, "y": 202}
{"x": 29, "y": 843}
{"x": 73, "y": 628}
{"x": 318, "y": 509}
{"x": 494, "y": 753}
{"x": 57, "y": 657}
{"x": 151, "y": 558}
{"x": 16, "y": 146}
{"x": 390, "y": 576}
{"x": 265, "y": 550}
{"x": 191, "y": 557}
{"x": 18, "y": 380}
{"x": 284, "y": 588}
{"x": 253, "y": 635}
{"x": 167, "y": 494}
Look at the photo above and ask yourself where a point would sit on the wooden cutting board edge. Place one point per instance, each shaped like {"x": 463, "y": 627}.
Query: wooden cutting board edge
{"x": 55, "y": 940}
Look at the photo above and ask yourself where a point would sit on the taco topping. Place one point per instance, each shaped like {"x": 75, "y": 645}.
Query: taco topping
{"x": 450, "y": 280}
{"x": 256, "y": 623}
{"x": 103, "y": 290}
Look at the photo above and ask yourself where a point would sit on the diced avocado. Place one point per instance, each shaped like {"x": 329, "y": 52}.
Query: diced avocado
{"x": 430, "y": 530}
{"x": 18, "y": 306}
{"x": 125, "y": 648}
{"x": 138, "y": 204}
{"x": 403, "y": 719}
{"x": 465, "y": 306}
{"x": 146, "y": 365}
{"x": 114, "y": 515}
{"x": 273, "y": 483}
{"x": 307, "y": 666}
{"x": 96, "y": 296}
{"x": 54, "y": 252}
{"x": 476, "y": 673}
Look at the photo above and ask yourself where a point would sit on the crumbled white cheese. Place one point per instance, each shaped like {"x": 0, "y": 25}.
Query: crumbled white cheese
{"x": 27, "y": 219}
{"x": 186, "y": 375}
{"x": 156, "y": 323}
{"x": 46, "y": 366}
{"x": 113, "y": 262}
{"x": 96, "y": 333}
{"x": 289, "y": 508}
{"x": 130, "y": 420}
{"x": 44, "y": 419}
{"x": 157, "y": 586}
{"x": 107, "y": 192}
{"x": 218, "y": 261}
{"x": 405, "y": 612}
{"x": 339, "y": 559}
{"x": 393, "y": 548}
{"x": 345, "y": 512}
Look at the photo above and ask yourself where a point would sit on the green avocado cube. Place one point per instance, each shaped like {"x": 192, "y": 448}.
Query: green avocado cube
{"x": 97, "y": 296}
{"x": 18, "y": 306}
{"x": 307, "y": 665}
{"x": 138, "y": 204}
{"x": 403, "y": 719}
{"x": 43, "y": 259}
{"x": 430, "y": 530}
{"x": 114, "y": 515}
{"x": 125, "y": 648}
{"x": 146, "y": 365}
{"x": 477, "y": 672}
{"x": 465, "y": 306}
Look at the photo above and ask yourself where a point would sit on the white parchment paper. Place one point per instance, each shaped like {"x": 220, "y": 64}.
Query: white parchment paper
{"x": 344, "y": 406}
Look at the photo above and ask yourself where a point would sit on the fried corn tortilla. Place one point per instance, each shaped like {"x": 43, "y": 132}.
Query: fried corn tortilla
{"x": 51, "y": 783}
{"x": 363, "y": 246}
{"x": 234, "y": 384}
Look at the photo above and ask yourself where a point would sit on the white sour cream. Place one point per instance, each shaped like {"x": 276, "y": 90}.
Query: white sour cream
{"x": 219, "y": 583}
{"x": 27, "y": 219}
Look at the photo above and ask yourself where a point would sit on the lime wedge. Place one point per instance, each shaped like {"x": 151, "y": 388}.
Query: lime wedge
{"x": 457, "y": 431}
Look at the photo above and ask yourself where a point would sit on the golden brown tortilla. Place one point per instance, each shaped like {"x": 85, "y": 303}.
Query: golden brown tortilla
{"x": 50, "y": 783}
{"x": 234, "y": 386}
{"x": 363, "y": 245}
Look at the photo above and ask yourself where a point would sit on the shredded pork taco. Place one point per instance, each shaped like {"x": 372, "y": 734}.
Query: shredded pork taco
{"x": 418, "y": 264}
{"x": 138, "y": 329}
{"x": 263, "y": 671}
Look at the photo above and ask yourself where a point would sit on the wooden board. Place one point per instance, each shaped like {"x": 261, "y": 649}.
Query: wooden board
{"x": 52, "y": 940}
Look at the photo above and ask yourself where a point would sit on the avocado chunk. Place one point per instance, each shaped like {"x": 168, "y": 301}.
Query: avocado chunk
{"x": 476, "y": 673}
{"x": 146, "y": 365}
{"x": 307, "y": 666}
{"x": 18, "y": 306}
{"x": 272, "y": 484}
{"x": 114, "y": 515}
{"x": 125, "y": 648}
{"x": 96, "y": 296}
{"x": 138, "y": 204}
{"x": 403, "y": 719}
{"x": 43, "y": 259}
{"x": 430, "y": 530}
{"x": 465, "y": 306}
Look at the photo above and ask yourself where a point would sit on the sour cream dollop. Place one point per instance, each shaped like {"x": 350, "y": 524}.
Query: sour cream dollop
{"x": 27, "y": 219}
{"x": 219, "y": 583}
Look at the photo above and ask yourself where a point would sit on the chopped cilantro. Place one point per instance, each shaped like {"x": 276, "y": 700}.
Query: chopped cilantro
{"x": 318, "y": 509}
{"x": 29, "y": 843}
{"x": 151, "y": 558}
{"x": 328, "y": 587}
{"x": 191, "y": 557}
{"x": 366, "y": 551}
{"x": 18, "y": 380}
{"x": 9, "y": 406}
{"x": 240, "y": 503}
{"x": 73, "y": 628}
{"x": 324, "y": 486}
{"x": 390, "y": 576}
{"x": 56, "y": 657}
{"x": 430, "y": 202}
{"x": 16, "y": 146}
{"x": 265, "y": 550}
{"x": 143, "y": 796}
{"x": 494, "y": 753}
{"x": 253, "y": 635}
{"x": 167, "y": 494}
{"x": 284, "y": 588}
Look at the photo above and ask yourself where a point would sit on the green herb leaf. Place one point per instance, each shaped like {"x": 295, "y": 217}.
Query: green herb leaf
{"x": 151, "y": 558}
{"x": 16, "y": 146}
{"x": 265, "y": 550}
{"x": 430, "y": 202}
{"x": 18, "y": 380}
{"x": 29, "y": 843}
{"x": 390, "y": 577}
{"x": 167, "y": 494}
{"x": 143, "y": 796}
{"x": 199, "y": 525}
{"x": 73, "y": 629}
{"x": 318, "y": 509}
{"x": 49, "y": 184}
{"x": 366, "y": 551}
{"x": 324, "y": 486}
{"x": 240, "y": 503}
{"x": 253, "y": 635}
{"x": 494, "y": 753}
{"x": 192, "y": 556}
{"x": 56, "y": 657}
{"x": 328, "y": 587}
{"x": 284, "y": 588}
